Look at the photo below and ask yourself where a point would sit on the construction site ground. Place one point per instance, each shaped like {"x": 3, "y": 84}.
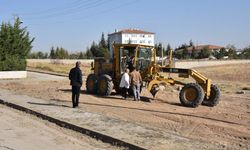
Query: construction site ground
{"x": 20, "y": 131}
{"x": 161, "y": 123}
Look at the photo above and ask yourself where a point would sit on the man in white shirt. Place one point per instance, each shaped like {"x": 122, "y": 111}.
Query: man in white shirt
{"x": 124, "y": 84}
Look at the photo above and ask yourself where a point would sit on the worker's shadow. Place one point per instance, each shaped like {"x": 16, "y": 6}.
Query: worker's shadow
{"x": 69, "y": 91}
{"x": 117, "y": 96}
{"x": 49, "y": 104}
{"x": 65, "y": 90}
{"x": 113, "y": 95}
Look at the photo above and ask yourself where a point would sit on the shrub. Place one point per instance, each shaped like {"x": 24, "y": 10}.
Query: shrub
{"x": 15, "y": 44}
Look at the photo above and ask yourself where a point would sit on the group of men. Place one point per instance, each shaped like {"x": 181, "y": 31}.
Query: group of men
{"x": 132, "y": 79}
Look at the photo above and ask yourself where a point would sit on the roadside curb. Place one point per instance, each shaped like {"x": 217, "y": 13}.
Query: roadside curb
{"x": 50, "y": 73}
{"x": 45, "y": 72}
{"x": 93, "y": 134}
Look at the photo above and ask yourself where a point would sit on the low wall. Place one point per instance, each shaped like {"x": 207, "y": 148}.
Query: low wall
{"x": 60, "y": 61}
{"x": 13, "y": 74}
{"x": 207, "y": 63}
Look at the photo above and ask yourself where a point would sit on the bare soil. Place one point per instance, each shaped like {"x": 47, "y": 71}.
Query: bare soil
{"x": 227, "y": 124}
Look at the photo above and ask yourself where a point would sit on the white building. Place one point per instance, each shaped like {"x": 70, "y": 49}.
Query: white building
{"x": 133, "y": 36}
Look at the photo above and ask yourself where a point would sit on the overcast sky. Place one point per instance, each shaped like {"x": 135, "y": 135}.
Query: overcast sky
{"x": 75, "y": 24}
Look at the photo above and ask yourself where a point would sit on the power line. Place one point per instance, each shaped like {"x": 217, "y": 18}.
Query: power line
{"x": 72, "y": 4}
{"x": 78, "y": 19}
{"x": 70, "y": 10}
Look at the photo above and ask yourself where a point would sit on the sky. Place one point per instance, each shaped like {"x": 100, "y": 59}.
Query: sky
{"x": 75, "y": 24}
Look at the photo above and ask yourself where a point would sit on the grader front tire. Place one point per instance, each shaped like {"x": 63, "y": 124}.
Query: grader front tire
{"x": 105, "y": 85}
{"x": 214, "y": 97}
{"x": 191, "y": 95}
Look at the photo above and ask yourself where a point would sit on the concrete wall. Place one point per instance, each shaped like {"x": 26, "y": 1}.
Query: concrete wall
{"x": 60, "y": 61}
{"x": 13, "y": 74}
{"x": 207, "y": 63}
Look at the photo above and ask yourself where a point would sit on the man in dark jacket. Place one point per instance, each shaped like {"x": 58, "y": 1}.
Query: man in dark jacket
{"x": 75, "y": 77}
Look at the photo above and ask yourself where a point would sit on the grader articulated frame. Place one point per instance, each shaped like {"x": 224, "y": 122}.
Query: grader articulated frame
{"x": 108, "y": 72}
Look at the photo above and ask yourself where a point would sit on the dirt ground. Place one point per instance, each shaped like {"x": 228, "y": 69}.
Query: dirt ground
{"x": 227, "y": 124}
{"x": 23, "y": 131}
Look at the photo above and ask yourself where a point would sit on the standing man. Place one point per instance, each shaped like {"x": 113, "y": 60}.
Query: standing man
{"x": 75, "y": 76}
{"x": 136, "y": 82}
{"x": 124, "y": 84}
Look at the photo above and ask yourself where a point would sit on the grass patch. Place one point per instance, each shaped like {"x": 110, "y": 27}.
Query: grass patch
{"x": 231, "y": 73}
{"x": 57, "y": 67}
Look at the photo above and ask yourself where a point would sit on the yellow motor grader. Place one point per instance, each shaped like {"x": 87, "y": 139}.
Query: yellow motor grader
{"x": 107, "y": 74}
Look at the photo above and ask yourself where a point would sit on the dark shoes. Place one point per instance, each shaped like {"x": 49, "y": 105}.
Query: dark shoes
{"x": 74, "y": 106}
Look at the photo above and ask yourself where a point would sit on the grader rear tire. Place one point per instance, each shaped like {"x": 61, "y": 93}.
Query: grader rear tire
{"x": 105, "y": 85}
{"x": 91, "y": 84}
{"x": 191, "y": 95}
{"x": 214, "y": 98}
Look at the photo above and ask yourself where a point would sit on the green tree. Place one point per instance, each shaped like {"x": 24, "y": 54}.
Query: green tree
{"x": 45, "y": 55}
{"x": 81, "y": 55}
{"x": 178, "y": 54}
{"x": 204, "y": 53}
{"x": 15, "y": 45}
{"x": 88, "y": 54}
{"x": 195, "y": 53}
{"x": 232, "y": 54}
{"x": 52, "y": 53}
{"x": 167, "y": 50}
{"x": 221, "y": 53}
{"x": 95, "y": 50}
{"x": 103, "y": 42}
{"x": 57, "y": 53}
{"x": 191, "y": 43}
{"x": 40, "y": 55}
{"x": 246, "y": 53}
{"x": 73, "y": 56}
{"x": 159, "y": 49}
{"x": 185, "y": 53}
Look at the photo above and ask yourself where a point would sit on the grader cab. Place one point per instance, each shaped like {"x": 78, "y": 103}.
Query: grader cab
{"x": 107, "y": 74}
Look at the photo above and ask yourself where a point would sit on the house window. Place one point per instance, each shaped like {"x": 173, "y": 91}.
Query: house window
{"x": 141, "y": 35}
{"x": 134, "y": 41}
{"x": 142, "y": 41}
{"x": 149, "y": 36}
{"x": 134, "y": 35}
{"x": 149, "y": 42}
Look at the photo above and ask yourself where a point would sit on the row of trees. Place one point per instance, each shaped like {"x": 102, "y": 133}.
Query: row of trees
{"x": 230, "y": 52}
{"x": 99, "y": 49}
{"x": 58, "y": 53}
{"x": 15, "y": 44}
{"x": 160, "y": 49}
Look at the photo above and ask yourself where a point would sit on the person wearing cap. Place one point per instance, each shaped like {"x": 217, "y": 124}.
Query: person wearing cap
{"x": 75, "y": 77}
